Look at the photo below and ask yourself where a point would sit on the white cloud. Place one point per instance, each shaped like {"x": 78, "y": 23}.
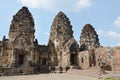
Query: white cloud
{"x": 56, "y": 5}
{"x": 83, "y": 4}
{"x": 110, "y": 34}
{"x": 36, "y": 3}
{"x": 47, "y": 33}
{"x": 100, "y": 32}
{"x": 117, "y": 22}
{"x": 118, "y": 43}
{"x": 113, "y": 34}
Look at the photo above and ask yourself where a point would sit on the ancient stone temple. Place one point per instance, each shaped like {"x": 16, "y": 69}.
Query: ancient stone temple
{"x": 21, "y": 36}
{"x": 89, "y": 38}
{"x": 19, "y": 51}
{"x": 62, "y": 44}
{"x": 22, "y": 54}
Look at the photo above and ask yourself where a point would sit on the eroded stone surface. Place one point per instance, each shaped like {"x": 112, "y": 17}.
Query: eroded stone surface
{"x": 22, "y": 54}
{"x": 22, "y": 28}
{"x": 89, "y": 38}
{"x": 107, "y": 57}
{"x": 62, "y": 42}
{"x": 18, "y": 51}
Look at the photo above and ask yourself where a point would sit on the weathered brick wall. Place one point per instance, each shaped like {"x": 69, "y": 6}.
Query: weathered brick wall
{"x": 83, "y": 59}
{"x": 105, "y": 55}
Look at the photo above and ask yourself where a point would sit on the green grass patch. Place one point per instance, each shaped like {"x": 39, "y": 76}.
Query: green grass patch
{"x": 110, "y": 78}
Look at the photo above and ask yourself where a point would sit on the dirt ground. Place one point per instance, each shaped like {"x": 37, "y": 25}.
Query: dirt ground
{"x": 73, "y": 74}
{"x": 50, "y": 77}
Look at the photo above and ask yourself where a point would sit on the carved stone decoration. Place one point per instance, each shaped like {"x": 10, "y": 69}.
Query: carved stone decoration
{"x": 89, "y": 38}
{"x": 22, "y": 24}
{"x": 21, "y": 36}
{"x": 60, "y": 41}
{"x": 21, "y": 54}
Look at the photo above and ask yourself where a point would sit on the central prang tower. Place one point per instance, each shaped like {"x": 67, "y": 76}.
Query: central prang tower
{"x": 62, "y": 44}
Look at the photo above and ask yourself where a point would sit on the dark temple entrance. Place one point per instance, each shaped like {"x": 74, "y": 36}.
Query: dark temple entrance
{"x": 92, "y": 59}
{"x": 20, "y": 59}
{"x": 73, "y": 54}
{"x": 44, "y": 61}
{"x": 73, "y": 59}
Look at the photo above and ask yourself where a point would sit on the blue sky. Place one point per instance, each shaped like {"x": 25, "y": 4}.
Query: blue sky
{"x": 104, "y": 15}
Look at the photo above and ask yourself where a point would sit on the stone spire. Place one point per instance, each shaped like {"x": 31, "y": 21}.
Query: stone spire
{"x": 22, "y": 24}
{"x": 89, "y": 38}
{"x": 61, "y": 29}
{"x": 61, "y": 41}
{"x": 22, "y": 28}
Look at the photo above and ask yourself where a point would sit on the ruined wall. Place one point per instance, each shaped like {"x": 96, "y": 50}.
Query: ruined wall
{"x": 104, "y": 56}
{"x": 44, "y": 58}
{"x": 6, "y": 56}
{"x": 83, "y": 59}
{"x": 116, "y": 59}
{"x": 109, "y": 56}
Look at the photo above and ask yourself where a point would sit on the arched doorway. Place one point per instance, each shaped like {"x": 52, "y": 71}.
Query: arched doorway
{"x": 73, "y": 54}
{"x": 73, "y": 59}
{"x": 20, "y": 57}
{"x": 92, "y": 59}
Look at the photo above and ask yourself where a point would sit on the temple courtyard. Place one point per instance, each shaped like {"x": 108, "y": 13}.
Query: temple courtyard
{"x": 72, "y": 74}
